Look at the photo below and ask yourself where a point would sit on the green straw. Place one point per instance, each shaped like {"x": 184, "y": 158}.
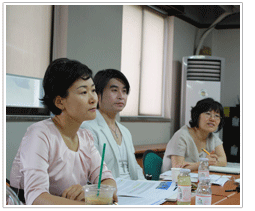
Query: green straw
{"x": 101, "y": 169}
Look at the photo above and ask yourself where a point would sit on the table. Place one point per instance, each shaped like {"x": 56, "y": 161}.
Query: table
{"x": 219, "y": 196}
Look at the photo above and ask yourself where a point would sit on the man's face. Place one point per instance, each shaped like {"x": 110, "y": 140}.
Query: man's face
{"x": 114, "y": 96}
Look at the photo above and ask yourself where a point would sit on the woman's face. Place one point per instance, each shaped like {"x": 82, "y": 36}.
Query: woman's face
{"x": 114, "y": 96}
{"x": 81, "y": 102}
{"x": 209, "y": 121}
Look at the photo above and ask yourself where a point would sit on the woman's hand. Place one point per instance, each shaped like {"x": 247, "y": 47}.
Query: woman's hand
{"x": 213, "y": 159}
{"x": 74, "y": 192}
{"x": 179, "y": 162}
{"x": 111, "y": 182}
{"x": 115, "y": 197}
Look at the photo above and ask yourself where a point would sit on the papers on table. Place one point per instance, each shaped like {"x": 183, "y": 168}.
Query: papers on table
{"x": 138, "y": 201}
{"x": 231, "y": 168}
{"x": 144, "y": 192}
{"x": 222, "y": 180}
{"x": 215, "y": 179}
{"x": 168, "y": 176}
{"x": 237, "y": 180}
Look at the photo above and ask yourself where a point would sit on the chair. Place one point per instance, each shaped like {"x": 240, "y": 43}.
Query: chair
{"x": 152, "y": 163}
{"x": 7, "y": 182}
{"x": 11, "y": 196}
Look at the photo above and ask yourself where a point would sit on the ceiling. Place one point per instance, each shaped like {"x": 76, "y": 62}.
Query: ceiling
{"x": 202, "y": 16}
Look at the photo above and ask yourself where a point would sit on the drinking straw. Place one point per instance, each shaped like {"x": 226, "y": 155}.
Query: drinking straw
{"x": 101, "y": 168}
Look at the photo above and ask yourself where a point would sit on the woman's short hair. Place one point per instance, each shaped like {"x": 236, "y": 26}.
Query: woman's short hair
{"x": 102, "y": 78}
{"x": 207, "y": 104}
{"x": 59, "y": 76}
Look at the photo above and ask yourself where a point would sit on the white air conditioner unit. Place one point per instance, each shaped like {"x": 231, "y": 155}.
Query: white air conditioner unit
{"x": 201, "y": 78}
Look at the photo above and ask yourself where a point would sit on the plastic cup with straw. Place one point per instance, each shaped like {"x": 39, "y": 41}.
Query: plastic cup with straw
{"x": 101, "y": 169}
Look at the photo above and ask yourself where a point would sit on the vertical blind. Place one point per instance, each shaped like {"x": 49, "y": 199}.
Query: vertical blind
{"x": 152, "y": 64}
{"x": 28, "y": 42}
{"x": 28, "y": 39}
{"x": 131, "y": 55}
{"x": 142, "y": 60}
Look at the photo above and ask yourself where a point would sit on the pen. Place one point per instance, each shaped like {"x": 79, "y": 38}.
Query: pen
{"x": 237, "y": 189}
{"x": 230, "y": 190}
{"x": 206, "y": 151}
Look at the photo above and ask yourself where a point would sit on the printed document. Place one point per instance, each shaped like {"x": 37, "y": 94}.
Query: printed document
{"x": 231, "y": 168}
{"x": 144, "y": 192}
{"x": 215, "y": 179}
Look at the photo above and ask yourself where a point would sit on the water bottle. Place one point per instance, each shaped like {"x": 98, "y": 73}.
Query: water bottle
{"x": 203, "y": 169}
{"x": 184, "y": 188}
{"x": 204, "y": 192}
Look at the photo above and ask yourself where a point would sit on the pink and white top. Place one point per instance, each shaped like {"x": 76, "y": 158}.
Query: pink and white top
{"x": 44, "y": 163}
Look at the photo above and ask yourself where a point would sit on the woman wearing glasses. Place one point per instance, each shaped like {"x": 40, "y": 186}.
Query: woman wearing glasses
{"x": 185, "y": 147}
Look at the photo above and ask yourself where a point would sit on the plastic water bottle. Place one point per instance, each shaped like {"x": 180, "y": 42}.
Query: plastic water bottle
{"x": 203, "y": 169}
{"x": 204, "y": 192}
{"x": 184, "y": 188}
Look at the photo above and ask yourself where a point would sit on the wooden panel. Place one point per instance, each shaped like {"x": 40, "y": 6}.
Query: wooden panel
{"x": 233, "y": 199}
{"x": 140, "y": 149}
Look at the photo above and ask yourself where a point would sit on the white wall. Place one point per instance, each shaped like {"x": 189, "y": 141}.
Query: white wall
{"x": 183, "y": 45}
{"x": 226, "y": 44}
{"x": 149, "y": 132}
{"x": 14, "y": 134}
{"x": 94, "y": 35}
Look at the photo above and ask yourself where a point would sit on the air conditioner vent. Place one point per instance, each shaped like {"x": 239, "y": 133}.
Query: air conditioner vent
{"x": 203, "y": 70}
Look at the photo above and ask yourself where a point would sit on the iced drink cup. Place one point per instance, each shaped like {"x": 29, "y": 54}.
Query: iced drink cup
{"x": 95, "y": 196}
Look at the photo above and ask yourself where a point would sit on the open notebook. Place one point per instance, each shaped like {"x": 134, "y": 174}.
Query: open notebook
{"x": 231, "y": 168}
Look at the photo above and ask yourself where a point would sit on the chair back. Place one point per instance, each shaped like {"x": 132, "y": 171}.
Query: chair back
{"x": 152, "y": 163}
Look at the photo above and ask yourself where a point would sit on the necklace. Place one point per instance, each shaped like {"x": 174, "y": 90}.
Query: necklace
{"x": 115, "y": 131}
{"x": 121, "y": 160}
{"x": 119, "y": 147}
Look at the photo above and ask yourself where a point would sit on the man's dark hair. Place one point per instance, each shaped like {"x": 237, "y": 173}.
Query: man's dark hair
{"x": 102, "y": 78}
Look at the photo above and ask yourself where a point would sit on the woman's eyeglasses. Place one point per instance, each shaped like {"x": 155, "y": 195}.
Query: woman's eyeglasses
{"x": 210, "y": 115}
